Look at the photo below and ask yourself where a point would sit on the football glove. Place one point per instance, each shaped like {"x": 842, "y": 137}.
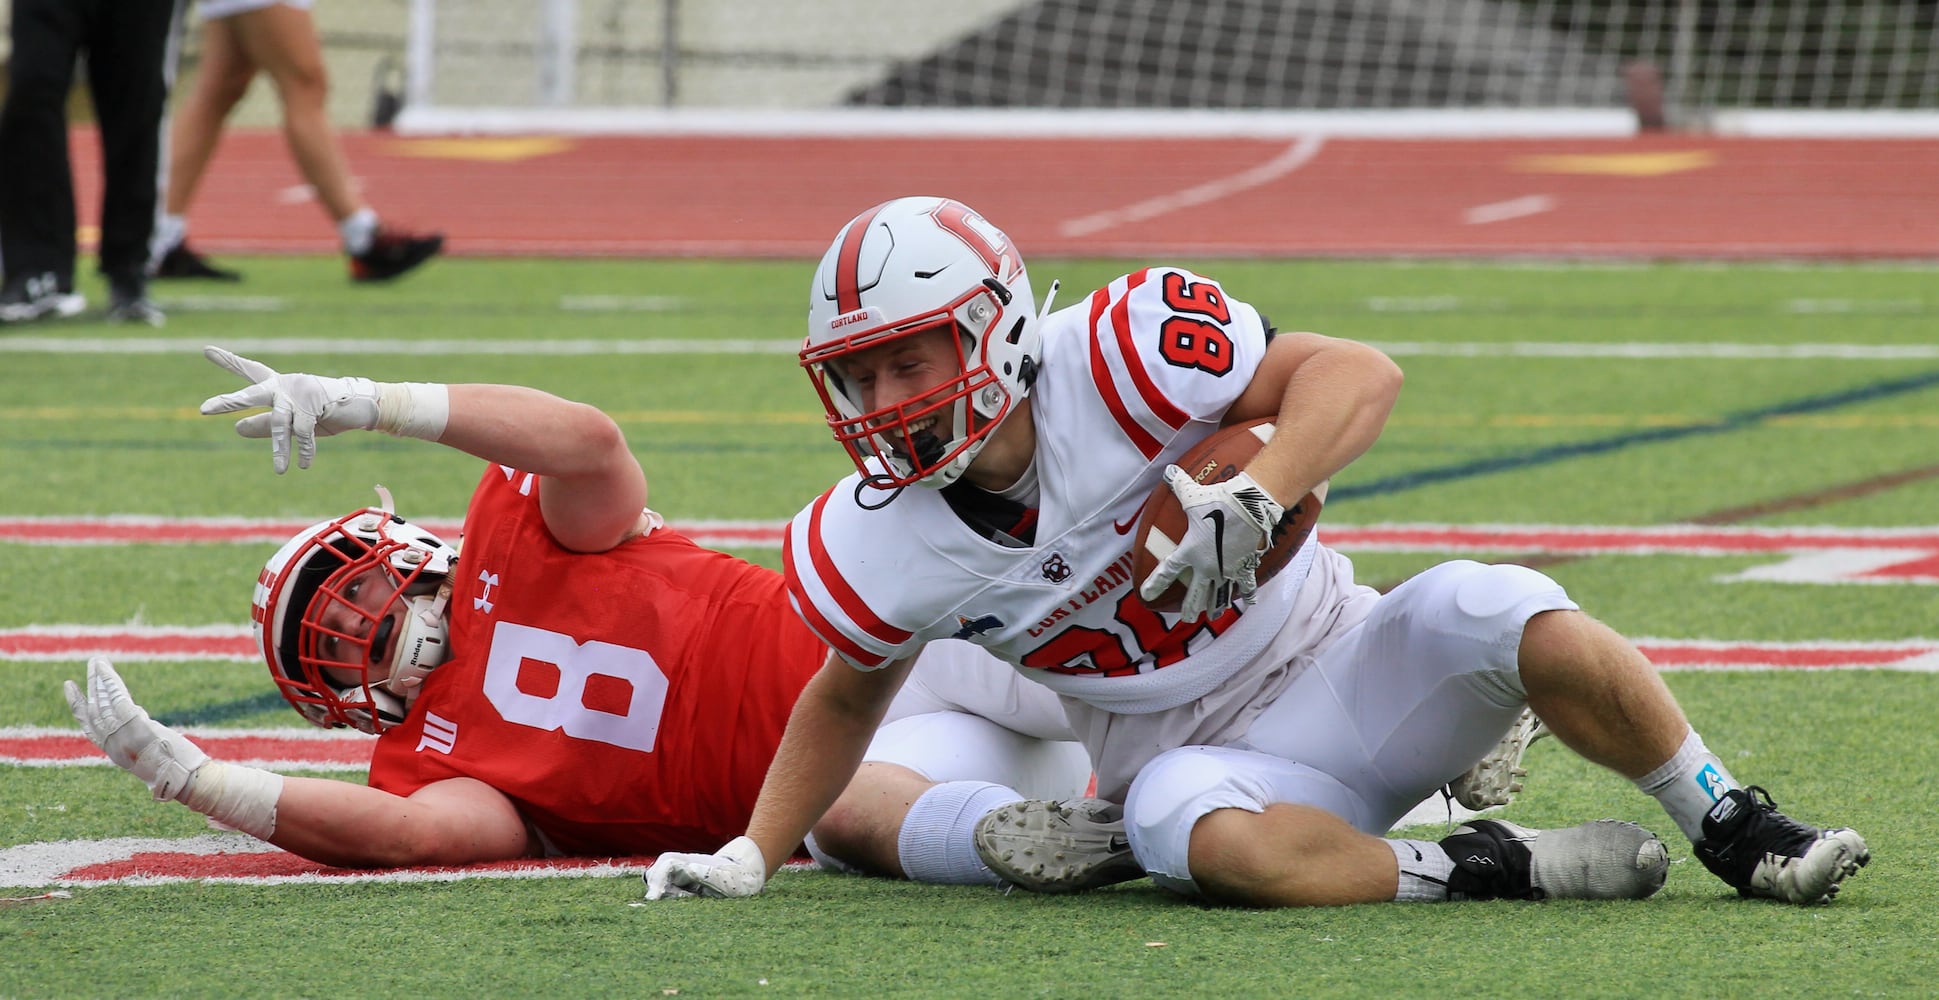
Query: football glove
{"x": 301, "y": 407}
{"x": 162, "y": 758}
{"x": 1228, "y": 527}
{"x": 737, "y": 870}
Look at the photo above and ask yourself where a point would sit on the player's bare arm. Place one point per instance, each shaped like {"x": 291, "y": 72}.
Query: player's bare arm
{"x": 592, "y": 491}
{"x": 457, "y": 821}
{"x": 829, "y": 730}
{"x": 1332, "y": 398}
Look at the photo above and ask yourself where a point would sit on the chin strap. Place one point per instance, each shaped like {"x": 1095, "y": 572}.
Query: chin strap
{"x": 424, "y": 644}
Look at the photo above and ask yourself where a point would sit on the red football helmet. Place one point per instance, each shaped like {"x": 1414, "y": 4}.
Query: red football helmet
{"x": 903, "y": 268}
{"x": 320, "y": 643}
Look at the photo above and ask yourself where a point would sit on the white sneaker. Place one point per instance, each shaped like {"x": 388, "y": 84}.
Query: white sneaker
{"x": 1494, "y": 780}
{"x": 1049, "y": 846}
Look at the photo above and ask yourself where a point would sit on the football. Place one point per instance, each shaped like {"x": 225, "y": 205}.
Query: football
{"x": 1161, "y": 525}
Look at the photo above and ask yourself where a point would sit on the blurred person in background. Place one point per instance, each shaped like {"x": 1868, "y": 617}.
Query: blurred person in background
{"x": 241, "y": 38}
{"x": 128, "y": 73}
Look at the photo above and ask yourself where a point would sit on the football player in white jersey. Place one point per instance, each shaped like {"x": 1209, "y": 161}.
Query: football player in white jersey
{"x": 1252, "y": 749}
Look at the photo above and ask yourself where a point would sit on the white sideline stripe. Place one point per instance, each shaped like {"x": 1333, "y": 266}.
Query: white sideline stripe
{"x": 600, "y": 348}
{"x": 621, "y": 303}
{"x": 336, "y": 346}
{"x": 1388, "y": 536}
{"x": 1514, "y": 208}
{"x": 1295, "y": 156}
{"x": 222, "y": 303}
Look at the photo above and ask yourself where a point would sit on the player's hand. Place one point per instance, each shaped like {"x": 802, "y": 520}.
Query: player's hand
{"x": 162, "y": 758}
{"x": 301, "y": 407}
{"x": 1228, "y": 527}
{"x": 736, "y": 870}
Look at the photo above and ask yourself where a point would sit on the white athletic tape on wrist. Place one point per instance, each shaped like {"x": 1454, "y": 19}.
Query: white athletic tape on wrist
{"x": 413, "y": 409}
{"x": 242, "y": 798}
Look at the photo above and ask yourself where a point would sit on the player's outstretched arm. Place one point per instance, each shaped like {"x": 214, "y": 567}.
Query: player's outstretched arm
{"x": 829, "y": 730}
{"x": 592, "y": 489}
{"x": 450, "y": 822}
{"x": 457, "y": 821}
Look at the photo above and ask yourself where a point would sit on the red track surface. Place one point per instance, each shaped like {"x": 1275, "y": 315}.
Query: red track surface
{"x": 1665, "y": 196}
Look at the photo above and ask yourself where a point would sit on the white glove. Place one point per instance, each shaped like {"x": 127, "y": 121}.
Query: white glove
{"x": 304, "y": 407}
{"x": 161, "y": 757}
{"x": 1228, "y": 527}
{"x": 737, "y": 870}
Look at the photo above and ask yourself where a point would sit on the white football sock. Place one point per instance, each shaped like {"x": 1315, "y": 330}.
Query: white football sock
{"x": 1688, "y": 784}
{"x": 1424, "y": 871}
{"x": 357, "y": 230}
{"x": 170, "y": 232}
{"x": 937, "y": 841}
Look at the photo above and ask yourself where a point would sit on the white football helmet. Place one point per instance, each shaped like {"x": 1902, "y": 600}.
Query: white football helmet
{"x": 323, "y": 669}
{"x": 906, "y": 267}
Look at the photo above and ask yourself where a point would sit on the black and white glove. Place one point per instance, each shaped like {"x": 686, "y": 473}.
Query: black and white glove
{"x": 162, "y": 758}
{"x": 1228, "y": 527}
{"x": 737, "y": 869}
{"x": 305, "y": 407}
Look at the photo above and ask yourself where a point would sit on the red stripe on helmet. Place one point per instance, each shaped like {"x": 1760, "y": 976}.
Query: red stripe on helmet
{"x": 848, "y": 262}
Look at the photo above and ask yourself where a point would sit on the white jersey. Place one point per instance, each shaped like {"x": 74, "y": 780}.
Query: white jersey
{"x": 1130, "y": 380}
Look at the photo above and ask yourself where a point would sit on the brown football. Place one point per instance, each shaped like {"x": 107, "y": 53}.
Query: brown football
{"x": 1161, "y": 526}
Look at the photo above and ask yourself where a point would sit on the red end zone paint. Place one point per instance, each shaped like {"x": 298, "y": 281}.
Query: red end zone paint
{"x": 237, "y": 859}
{"x": 174, "y": 866}
{"x": 296, "y": 749}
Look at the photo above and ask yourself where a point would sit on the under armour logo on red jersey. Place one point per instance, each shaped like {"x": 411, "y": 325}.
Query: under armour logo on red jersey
{"x": 440, "y": 734}
{"x": 483, "y": 601}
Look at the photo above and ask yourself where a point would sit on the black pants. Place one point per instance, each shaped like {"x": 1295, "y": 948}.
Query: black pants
{"x": 125, "y": 42}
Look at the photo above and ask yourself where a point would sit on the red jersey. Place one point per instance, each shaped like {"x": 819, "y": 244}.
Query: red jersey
{"x": 627, "y": 701}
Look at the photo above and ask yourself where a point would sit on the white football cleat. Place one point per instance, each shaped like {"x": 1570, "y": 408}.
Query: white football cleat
{"x": 1494, "y": 779}
{"x": 1047, "y": 846}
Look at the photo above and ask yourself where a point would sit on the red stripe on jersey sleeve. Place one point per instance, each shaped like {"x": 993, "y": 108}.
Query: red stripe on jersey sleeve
{"x": 846, "y": 598}
{"x": 812, "y": 616}
{"x": 1107, "y": 387}
{"x": 1161, "y": 407}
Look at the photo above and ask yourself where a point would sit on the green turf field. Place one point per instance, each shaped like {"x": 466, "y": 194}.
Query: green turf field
{"x": 1801, "y": 396}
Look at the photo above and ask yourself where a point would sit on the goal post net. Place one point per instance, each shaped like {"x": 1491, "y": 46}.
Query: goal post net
{"x": 645, "y": 65}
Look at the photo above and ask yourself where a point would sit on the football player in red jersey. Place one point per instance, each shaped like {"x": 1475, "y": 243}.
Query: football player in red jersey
{"x": 1253, "y": 748}
{"x": 581, "y": 680}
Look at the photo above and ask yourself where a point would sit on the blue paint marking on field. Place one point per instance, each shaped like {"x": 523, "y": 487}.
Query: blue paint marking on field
{"x": 226, "y": 711}
{"x": 1578, "y": 449}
